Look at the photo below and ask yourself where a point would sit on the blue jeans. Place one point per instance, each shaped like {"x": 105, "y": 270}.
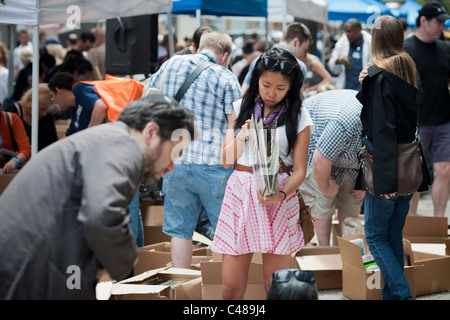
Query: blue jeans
{"x": 136, "y": 223}
{"x": 188, "y": 190}
{"x": 384, "y": 222}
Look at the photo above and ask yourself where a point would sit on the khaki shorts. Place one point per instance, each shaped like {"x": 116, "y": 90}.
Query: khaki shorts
{"x": 323, "y": 207}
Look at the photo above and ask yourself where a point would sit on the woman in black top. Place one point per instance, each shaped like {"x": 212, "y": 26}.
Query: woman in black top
{"x": 390, "y": 99}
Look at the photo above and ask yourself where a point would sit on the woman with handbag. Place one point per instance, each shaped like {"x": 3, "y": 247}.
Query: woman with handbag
{"x": 248, "y": 222}
{"x": 390, "y": 98}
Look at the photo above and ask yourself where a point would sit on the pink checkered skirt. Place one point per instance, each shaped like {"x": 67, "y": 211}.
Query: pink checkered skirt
{"x": 246, "y": 226}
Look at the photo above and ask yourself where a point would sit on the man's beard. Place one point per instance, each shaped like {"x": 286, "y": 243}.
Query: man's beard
{"x": 149, "y": 170}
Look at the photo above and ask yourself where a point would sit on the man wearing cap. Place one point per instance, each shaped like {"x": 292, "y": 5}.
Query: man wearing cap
{"x": 432, "y": 58}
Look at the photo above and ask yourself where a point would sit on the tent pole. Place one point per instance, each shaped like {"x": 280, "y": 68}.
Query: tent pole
{"x": 198, "y": 17}
{"x": 35, "y": 99}
{"x": 171, "y": 39}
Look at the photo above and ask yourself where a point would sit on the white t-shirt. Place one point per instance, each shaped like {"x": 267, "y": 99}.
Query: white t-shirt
{"x": 247, "y": 158}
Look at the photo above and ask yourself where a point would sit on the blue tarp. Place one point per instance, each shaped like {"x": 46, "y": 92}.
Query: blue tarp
{"x": 247, "y": 8}
{"x": 409, "y": 10}
{"x": 363, "y": 10}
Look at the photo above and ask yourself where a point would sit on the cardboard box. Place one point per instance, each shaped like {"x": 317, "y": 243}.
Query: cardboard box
{"x": 325, "y": 262}
{"x": 158, "y": 284}
{"x": 359, "y": 283}
{"x": 152, "y": 215}
{"x": 154, "y": 234}
{"x": 159, "y": 256}
{"x": 5, "y": 179}
{"x": 433, "y": 272}
{"x": 61, "y": 128}
{"x": 212, "y": 281}
{"x": 421, "y": 229}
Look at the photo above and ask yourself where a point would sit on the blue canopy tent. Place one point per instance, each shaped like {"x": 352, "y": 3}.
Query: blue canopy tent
{"x": 243, "y": 8}
{"x": 248, "y": 8}
{"x": 409, "y": 10}
{"x": 363, "y": 10}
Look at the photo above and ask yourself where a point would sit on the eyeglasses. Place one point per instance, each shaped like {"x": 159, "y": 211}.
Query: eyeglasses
{"x": 284, "y": 66}
{"x": 286, "y": 274}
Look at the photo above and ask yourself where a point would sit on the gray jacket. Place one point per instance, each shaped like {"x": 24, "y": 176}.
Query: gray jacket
{"x": 64, "y": 216}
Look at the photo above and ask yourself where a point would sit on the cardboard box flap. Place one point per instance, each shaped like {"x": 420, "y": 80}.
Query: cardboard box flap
{"x": 317, "y": 250}
{"x": 425, "y": 229}
{"x": 350, "y": 253}
{"x": 143, "y": 276}
{"x": 186, "y": 273}
{"x": 127, "y": 288}
{"x": 103, "y": 290}
{"x": 212, "y": 272}
{"x": 320, "y": 262}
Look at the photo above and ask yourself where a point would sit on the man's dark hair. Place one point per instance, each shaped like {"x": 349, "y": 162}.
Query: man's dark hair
{"x": 354, "y": 23}
{"x": 87, "y": 36}
{"x": 167, "y": 113}
{"x": 198, "y": 34}
{"x": 61, "y": 80}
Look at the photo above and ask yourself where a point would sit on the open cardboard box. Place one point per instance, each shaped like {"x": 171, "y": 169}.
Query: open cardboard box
{"x": 159, "y": 256}
{"x": 325, "y": 262}
{"x": 359, "y": 283}
{"x": 212, "y": 278}
{"x": 433, "y": 274}
{"x": 212, "y": 281}
{"x": 158, "y": 284}
{"x": 421, "y": 229}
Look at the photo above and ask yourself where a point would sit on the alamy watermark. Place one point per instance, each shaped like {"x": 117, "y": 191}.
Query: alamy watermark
{"x": 73, "y": 281}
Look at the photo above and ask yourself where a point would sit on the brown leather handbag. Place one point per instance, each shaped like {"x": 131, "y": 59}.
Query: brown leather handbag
{"x": 305, "y": 220}
{"x": 409, "y": 168}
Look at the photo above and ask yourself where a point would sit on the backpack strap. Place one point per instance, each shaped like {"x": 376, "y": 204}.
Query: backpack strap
{"x": 187, "y": 83}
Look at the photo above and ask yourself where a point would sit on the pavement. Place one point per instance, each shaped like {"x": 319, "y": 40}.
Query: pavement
{"x": 425, "y": 208}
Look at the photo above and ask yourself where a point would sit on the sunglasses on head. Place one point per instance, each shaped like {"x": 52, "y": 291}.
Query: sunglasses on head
{"x": 284, "y": 66}
{"x": 286, "y": 274}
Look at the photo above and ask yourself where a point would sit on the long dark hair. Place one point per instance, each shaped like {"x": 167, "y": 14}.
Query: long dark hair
{"x": 293, "y": 98}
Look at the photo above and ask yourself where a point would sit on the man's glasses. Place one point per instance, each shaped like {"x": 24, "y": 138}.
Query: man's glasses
{"x": 284, "y": 66}
{"x": 286, "y": 274}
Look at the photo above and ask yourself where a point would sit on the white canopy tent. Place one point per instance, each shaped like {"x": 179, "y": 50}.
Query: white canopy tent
{"x": 71, "y": 12}
{"x": 314, "y": 10}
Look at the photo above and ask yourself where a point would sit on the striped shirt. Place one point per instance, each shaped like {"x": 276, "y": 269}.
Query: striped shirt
{"x": 337, "y": 131}
{"x": 210, "y": 98}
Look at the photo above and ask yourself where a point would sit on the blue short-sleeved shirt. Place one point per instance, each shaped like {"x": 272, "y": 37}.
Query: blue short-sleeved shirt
{"x": 85, "y": 98}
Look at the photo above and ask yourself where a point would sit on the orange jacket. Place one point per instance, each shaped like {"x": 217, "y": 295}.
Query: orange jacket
{"x": 19, "y": 135}
{"x": 116, "y": 93}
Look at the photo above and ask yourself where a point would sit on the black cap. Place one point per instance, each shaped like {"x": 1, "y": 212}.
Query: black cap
{"x": 434, "y": 9}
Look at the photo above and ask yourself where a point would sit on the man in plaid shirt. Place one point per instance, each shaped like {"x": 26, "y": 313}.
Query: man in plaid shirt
{"x": 333, "y": 162}
{"x": 198, "y": 181}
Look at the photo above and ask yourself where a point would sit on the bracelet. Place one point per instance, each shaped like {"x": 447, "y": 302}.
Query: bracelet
{"x": 16, "y": 161}
{"x": 284, "y": 194}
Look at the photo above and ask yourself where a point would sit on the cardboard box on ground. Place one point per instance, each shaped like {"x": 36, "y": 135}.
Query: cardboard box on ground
{"x": 427, "y": 245}
{"x": 153, "y": 220}
{"x": 429, "y": 271}
{"x": 358, "y": 283}
{"x": 158, "y": 284}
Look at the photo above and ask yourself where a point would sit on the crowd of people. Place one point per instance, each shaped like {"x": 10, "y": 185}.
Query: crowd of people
{"x": 377, "y": 84}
